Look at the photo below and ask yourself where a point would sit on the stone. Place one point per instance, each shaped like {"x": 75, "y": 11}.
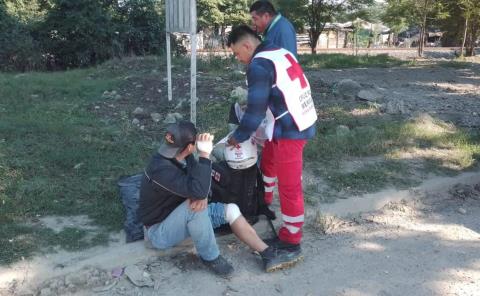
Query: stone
{"x": 181, "y": 103}
{"x": 173, "y": 117}
{"x": 138, "y": 111}
{"x": 156, "y": 117}
{"x": 75, "y": 279}
{"x": 347, "y": 89}
{"x": 107, "y": 287}
{"x": 462, "y": 211}
{"x": 394, "y": 106}
{"x": 46, "y": 292}
{"x": 369, "y": 95}
{"x": 135, "y": 121}
{"x": 137, "y": 277}
{"x": 342, "y": 130}
{"x": 239, "y": 94}
{"x": 26, "y": 292}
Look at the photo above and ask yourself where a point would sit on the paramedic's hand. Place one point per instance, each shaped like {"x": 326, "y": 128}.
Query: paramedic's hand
{"x": 197, "y": 205}
{"x": 204, "y": 144}
{"x": 232, "y": 142}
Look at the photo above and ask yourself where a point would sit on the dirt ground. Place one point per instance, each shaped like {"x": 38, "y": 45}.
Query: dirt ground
{"x": 451, "y": 94}
{"x": 427, "y": 246}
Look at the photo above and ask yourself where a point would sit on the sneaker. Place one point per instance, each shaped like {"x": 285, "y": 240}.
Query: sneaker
{"x": 220, "y": 266}
{"x": 276, "y": 259}
{"x": 281, "y": 245}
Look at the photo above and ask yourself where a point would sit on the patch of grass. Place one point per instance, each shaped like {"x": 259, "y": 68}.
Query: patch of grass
{"x": 19, "y": 241}
{"x": 371, "y": 178}
{"x": 310, "y": 194}
{"x": 58, "y": 158}
{"x": 335, "y": 61}
{"x": 456, "y": 64}
{"x": 366, "y": 136}
{"x": 423, "y": 143}
{"x": 213, "y": 117}
{"x": 216, "y": 64}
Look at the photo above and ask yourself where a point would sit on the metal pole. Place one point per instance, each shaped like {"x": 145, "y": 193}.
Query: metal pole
{"x": 169, "y": 67}
{"x": 193, "y": 70}
{"x": 169, "y": 61}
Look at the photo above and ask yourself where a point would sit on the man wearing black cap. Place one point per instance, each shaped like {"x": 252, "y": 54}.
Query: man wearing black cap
{"x": 173, "y": 202}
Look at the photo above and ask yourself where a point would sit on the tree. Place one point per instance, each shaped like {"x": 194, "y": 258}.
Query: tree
{"x": 77, "y": 33}
{"x": 471, "y": 13}
{"x": 295, "y": 11}
{"x": 219, "y": 14}
{"x": 209, "y": 14}
{"x": 140, "y": 27}
{"x": 320, "y": 12}
{"x": 19, "y": 49}
{"x": 419, "y": 13}
{"x": 234, "y": 12}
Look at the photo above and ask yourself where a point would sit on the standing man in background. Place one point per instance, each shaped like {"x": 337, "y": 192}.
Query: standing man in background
{"x": 273, "y": 26}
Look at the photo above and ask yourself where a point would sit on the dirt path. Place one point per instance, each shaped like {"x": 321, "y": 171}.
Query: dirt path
{"x": 449, "y": 93}
{"x": 427, "y": 246}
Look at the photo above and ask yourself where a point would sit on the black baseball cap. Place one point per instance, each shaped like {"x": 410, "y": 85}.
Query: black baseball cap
{"x": 182, "y": 133}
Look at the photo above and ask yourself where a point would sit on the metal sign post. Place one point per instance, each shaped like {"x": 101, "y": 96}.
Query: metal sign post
{"x": 193, "y": 63}
{"x": 181, "y": 17}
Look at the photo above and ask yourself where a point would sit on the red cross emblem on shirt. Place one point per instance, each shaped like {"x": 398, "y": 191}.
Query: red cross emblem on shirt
{"x": 295, "y": 71}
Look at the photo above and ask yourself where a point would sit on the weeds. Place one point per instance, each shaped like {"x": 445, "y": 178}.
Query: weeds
{"x": 335, "y": 61}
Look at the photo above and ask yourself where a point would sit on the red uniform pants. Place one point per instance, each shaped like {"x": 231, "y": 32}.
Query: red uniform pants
{"x": 282, "y": 161}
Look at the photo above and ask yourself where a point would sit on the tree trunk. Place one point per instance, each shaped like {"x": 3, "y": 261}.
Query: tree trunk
{"x": 313, "y": 35}
{"x": 223, "y": 35}
{"x": 423, "y": 29}
{"x": 471, "y": 36}
{"x": 464, "y": 36}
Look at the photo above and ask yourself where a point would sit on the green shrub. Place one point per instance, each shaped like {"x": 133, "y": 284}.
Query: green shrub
{"x": 18, "y": 50}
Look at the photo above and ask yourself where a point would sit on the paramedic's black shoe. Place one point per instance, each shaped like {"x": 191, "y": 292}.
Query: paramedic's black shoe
{"x": 276, "y": 259}
{"x": 281, "y": 245}
{"x": 220, "y": 266}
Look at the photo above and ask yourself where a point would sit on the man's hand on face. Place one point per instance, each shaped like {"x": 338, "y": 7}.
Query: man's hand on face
{"x": 197, "y": 205}
{"x": 204, "y": 144}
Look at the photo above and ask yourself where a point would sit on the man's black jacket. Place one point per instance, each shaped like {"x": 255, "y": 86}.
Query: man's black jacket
{"x": 167, "y": 183}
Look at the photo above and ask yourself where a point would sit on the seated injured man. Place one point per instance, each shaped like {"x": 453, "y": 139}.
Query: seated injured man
{"x": 174, "y": 203}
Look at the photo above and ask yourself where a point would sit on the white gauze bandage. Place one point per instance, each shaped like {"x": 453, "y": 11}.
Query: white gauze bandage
{"x": 232, "y": 212}
{"x": 205, "y": 146}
